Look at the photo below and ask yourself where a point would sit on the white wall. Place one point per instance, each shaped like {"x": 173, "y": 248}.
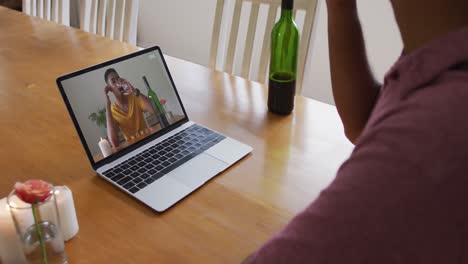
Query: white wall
{"x": 86, "y": 92}
{"x": 183, "y": 29}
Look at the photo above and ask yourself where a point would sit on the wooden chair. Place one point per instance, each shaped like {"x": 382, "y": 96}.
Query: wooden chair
{"x": 52, "y": 10}
{"x": 115, "y": 19}
{"x": 308, "y": 6}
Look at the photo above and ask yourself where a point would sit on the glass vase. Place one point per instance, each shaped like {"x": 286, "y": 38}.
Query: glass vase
{"x": 35, "y": 223}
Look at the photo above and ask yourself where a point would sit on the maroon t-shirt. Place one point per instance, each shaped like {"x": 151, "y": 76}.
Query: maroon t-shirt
{"x": 402, "y": 197}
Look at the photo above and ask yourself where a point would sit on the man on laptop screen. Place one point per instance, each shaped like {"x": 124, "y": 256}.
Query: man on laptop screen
{"x": 127, "y": 115}
{"x": 127, "y": 111}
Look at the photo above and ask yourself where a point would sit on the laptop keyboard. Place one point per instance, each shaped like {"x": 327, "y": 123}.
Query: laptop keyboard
{"x": 141, "y": 170}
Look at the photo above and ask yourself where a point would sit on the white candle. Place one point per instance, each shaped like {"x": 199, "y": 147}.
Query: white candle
{"x": 66, "y": 212}
{"x": 11, "y": 250}
{"x": 105, "y": 147}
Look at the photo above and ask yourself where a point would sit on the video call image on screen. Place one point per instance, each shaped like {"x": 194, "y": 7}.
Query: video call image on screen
{"x": 120, "y": 104}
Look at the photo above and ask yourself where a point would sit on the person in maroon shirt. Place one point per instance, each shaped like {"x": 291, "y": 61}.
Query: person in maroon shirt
{"x": 402, "y": 196}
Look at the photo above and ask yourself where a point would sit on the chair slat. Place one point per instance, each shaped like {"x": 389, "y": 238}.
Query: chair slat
{"x": 233, "y": 36}
{"x": 247, "y": 59}
{"x": 215, "y": 36}
{"x": 119, "y": 19}
{"x": 33, "y": 4}
{"x": 93, "y": 16}
{"x": 304, "y": 44}
{"x": 101, "y": 17}
{"x": 110, "y": 23}
{"x": 64, "y": 12}
{"x": 40, "y": 8}
{"x": 59, "y": 13}
{"x": 85, "y": 14}
{"x": 55, "y": 11}
{"x": 47, "y": 9}
{"x": 266, "y": 43}
{"x": 26, "y": 6}
{"x": 131, "y": 21}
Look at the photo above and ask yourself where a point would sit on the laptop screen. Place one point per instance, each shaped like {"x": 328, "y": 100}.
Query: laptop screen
{"x": 120, "y": 103}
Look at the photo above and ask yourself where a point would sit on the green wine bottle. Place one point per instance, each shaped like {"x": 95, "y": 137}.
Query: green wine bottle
{"x": 283, "y": 62}
{"x": 158, "y": 108}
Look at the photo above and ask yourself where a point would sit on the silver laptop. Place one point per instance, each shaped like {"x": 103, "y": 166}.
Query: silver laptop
{"x": 136, "y": 133}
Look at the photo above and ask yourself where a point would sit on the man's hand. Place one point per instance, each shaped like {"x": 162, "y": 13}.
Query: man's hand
{"x": 107, "y": 89}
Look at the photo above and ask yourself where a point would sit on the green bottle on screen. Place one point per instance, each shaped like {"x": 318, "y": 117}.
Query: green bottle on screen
{"x": 158, "y": 108}
{"x": 283, "y": 62}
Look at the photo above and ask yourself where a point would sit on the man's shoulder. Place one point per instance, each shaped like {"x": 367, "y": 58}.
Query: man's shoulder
{"x": 444, "y": 96}
{"x": 452, "y": 80}
{"x": 422, "y": 124}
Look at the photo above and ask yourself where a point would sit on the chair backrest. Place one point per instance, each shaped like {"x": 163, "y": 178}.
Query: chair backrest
{"x": 52, "y": 10}
{"x": 307, "y": 6}
{"x": 115, "y": 19}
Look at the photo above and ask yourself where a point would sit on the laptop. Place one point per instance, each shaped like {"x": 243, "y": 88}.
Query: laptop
{"x": 136, "y": 132}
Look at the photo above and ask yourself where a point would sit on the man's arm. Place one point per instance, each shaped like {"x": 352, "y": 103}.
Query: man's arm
{"x": 354, "y": 87}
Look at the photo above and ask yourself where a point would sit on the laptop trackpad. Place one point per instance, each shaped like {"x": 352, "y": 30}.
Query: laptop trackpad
{"x": 198, "y": 170}
{"x": 163, "y": 193}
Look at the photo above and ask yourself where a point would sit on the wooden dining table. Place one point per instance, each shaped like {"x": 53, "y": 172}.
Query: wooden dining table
{"x": 294, "y": 157}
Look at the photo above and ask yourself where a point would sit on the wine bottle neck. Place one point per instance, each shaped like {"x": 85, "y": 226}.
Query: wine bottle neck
{"x": 146, "y": 83}
{"x": 286, "y": 13}
{"x": 287, "y": 4}
{"x": 287, "y": 9}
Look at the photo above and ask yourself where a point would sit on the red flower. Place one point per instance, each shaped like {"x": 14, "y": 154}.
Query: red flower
{"x": 33, "y": 191}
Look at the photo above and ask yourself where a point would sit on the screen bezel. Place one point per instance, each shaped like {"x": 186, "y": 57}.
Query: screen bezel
{"x": 138, "y": 144}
